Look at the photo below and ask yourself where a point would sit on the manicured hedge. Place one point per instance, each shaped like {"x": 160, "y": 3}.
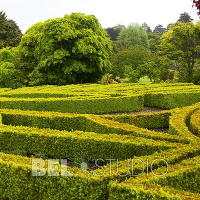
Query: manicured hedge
{"x": 2, "y": 90}
{"x": 180, "y": 121}
{"x": 77, "y": 146}
{"x": 87, "y": 123}
{"x": 184, "y": 180}
{"x": 172, "y": 100}
{"x": 13, "y": 190}
{"x": 58, "y": 121}
{"x": 83, "y": 184}
{"x": 139, "y": 192}
{"x": 94, "y": 90}
{"x": 172, "y": 156}
{"x": 100, "y": 98}
{"x": 183, "y": 177}
{"x": 148, "y": 191}
{"x": 75, "y": 105}
{"x": 147, "y": 120}
{"x": 180, "y": 181}
{"x": 195, "y": 123}
{"x": 17, "y": 182}
{"x": 122, "y": 137}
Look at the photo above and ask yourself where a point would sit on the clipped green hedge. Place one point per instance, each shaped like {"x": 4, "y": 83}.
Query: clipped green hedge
{"x": 147, "y": 191}
{"x": 82, "y": 90}
{"x": 139, "y": 192}
{"x": 179, "y": 123}
{"x": 58, "y": 121}
{"x": 12, "y": 190}
{"x": 83, "y": 183}
{"x": 86, "y": 123}
{"x": 181, "y": 182}
{"x": 147, "y": 120}
{"x": 171, "y": 156}
{"x": 98, "y": 99}
{"x": 195, "y": 123}
{"x": 189, "y": 180}
{"x": 77, "y": 146}
{"x": 133, "y": 141}
{"x": 75, "y": 105}
{"x": 171, "y": 100}
{"x": 2, "y": 90}
{"x": 17, "y": 182}
{"x": 183, "y": 177}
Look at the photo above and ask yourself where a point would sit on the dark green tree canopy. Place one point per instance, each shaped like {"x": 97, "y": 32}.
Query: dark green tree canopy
{"x": 146, "y": 27}
{"x": 10, "y": 34}
{"x": 71, "y": 49}
{"x": 185, "y": 17}
{"x": 160, "y": 29}
{"x": 114, "y": 32}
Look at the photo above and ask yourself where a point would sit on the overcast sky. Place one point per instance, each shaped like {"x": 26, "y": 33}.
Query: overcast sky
{"x": 109, "y": 12}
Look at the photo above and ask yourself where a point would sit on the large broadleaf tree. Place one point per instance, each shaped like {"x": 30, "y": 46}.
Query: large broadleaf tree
{"x": 71, "y": 49}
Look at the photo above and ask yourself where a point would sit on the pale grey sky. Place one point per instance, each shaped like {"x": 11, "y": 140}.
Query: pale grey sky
{"x": 109, "y": 12}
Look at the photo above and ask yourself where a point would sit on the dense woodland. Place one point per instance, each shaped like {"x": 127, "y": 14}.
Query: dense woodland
{"x": 76, "y": 49}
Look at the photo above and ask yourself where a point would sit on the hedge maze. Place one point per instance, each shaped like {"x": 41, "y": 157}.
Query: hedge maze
{"x": 84, "y": 142}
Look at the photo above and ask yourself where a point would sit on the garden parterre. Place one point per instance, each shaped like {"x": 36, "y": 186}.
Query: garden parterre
{"x": 134, "y": 161}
